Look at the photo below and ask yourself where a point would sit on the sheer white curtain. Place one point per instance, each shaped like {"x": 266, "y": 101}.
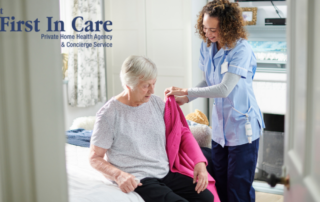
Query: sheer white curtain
{"x": 86, "y": 66}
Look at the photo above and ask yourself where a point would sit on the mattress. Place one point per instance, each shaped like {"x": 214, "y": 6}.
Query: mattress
{"x": 87, "y": 184}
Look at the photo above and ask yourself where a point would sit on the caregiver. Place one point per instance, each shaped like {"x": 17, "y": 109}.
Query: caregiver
{"x": 229, "y": 65}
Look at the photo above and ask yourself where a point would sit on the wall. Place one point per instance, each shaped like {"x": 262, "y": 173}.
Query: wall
{"x": 265, "y": 10}
{"x": 196, "y": 74}
{"x": 165, "y": 39}
{"x": 72, "y": 113}
{"x": 168, "y": 43}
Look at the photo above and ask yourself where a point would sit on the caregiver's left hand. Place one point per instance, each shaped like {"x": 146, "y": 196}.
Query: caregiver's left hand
{"x": 175, "y": 91}
{"x": 200, "y": 173}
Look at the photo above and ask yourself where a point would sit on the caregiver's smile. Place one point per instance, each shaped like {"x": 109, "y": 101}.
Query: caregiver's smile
{"x": 210, "y": 27}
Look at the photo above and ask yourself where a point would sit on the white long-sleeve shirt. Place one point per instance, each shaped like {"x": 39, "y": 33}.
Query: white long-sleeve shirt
{"x": 221, "y": 90}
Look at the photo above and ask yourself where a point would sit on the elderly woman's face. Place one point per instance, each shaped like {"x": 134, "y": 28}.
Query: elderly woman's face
{"x": 144, "y": 90}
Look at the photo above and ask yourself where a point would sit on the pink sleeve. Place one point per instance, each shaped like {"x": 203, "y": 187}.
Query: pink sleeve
{"x": 191, "y": 147}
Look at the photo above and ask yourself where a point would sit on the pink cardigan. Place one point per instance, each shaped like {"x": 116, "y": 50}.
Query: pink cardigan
{"x": 182, "y": 149}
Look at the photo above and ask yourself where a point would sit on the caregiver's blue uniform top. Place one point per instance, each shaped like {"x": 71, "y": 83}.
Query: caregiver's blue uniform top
{"x": 228, "y": 114}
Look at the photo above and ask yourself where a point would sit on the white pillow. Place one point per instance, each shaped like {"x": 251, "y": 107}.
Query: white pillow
{"x": 202, "y": 133}
{"x": 86, "y": 123}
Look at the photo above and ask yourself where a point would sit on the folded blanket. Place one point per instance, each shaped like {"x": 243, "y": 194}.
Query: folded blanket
{"x": 182, "y": 148}
{"x": 79, "y": 137}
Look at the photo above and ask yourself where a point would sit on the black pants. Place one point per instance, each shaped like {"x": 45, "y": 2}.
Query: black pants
{"x": 174, "y": 187}
{"x": 234, "y": 169}
{"x": 207, "y": 153}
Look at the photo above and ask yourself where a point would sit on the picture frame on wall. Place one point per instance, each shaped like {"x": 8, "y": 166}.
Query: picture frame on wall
{"x": 249, "y": 15}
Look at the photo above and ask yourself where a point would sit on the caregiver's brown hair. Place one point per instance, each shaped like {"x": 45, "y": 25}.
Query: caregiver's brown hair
{"x": 231, "y": 23}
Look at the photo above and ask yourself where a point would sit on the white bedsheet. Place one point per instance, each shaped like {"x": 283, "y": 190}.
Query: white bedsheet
{"x": 88, "y": 185}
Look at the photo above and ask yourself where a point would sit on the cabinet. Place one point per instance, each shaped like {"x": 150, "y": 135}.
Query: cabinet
{"x": 266, "y": 33}
{"x": 269, "y": 84}
{"x": 270, "y": 87}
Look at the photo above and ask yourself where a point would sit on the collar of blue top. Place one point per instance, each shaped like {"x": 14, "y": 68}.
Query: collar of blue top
{"x": 222, "y": 51}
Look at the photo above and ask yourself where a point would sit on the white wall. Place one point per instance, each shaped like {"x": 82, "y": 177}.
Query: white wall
{"x": 165, "y": 39}
{"x": 72, "y": 113}
{"x": 168, "y": 43}
{"x": 196, "y": 74}
{"x": 265, "y": 10}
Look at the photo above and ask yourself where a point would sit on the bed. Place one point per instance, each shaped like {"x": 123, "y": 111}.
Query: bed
{"x": 88, "y": 185}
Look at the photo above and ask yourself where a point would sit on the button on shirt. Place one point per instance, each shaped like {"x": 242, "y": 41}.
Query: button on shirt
{"x": 229, "y": 114}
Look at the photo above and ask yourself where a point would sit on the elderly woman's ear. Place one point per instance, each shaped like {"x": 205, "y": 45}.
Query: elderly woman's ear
{"x": 128, "y": 87}
{"x": 129, "y": 91}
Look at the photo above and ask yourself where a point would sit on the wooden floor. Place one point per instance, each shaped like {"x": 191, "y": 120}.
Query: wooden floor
{"x": 266, "y": 197}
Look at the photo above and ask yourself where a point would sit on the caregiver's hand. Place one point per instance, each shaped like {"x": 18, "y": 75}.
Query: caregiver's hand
{"x": 175, "y": 91}
{"x": 200, "y": 173}
{"x": 181, "y": 99}
{"x": 126, "y": 182}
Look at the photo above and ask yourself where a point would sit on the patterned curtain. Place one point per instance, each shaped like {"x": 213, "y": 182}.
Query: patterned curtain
{"x": 86, "y": 68}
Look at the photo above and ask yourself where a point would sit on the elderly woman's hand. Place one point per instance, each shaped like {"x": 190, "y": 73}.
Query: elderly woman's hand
{"x": 200, "y": 173}
{"x": 126, "y": 182}
{"x": 175, "y": 91}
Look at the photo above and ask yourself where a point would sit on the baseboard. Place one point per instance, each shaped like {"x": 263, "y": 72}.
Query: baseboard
{"x": 261, "y": 186}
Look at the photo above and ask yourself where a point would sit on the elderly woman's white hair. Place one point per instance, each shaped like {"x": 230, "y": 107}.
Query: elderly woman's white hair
{"x": 136, "y": 68}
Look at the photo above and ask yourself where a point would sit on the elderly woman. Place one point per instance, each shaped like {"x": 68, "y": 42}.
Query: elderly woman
{"x": 130, "y": 130}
